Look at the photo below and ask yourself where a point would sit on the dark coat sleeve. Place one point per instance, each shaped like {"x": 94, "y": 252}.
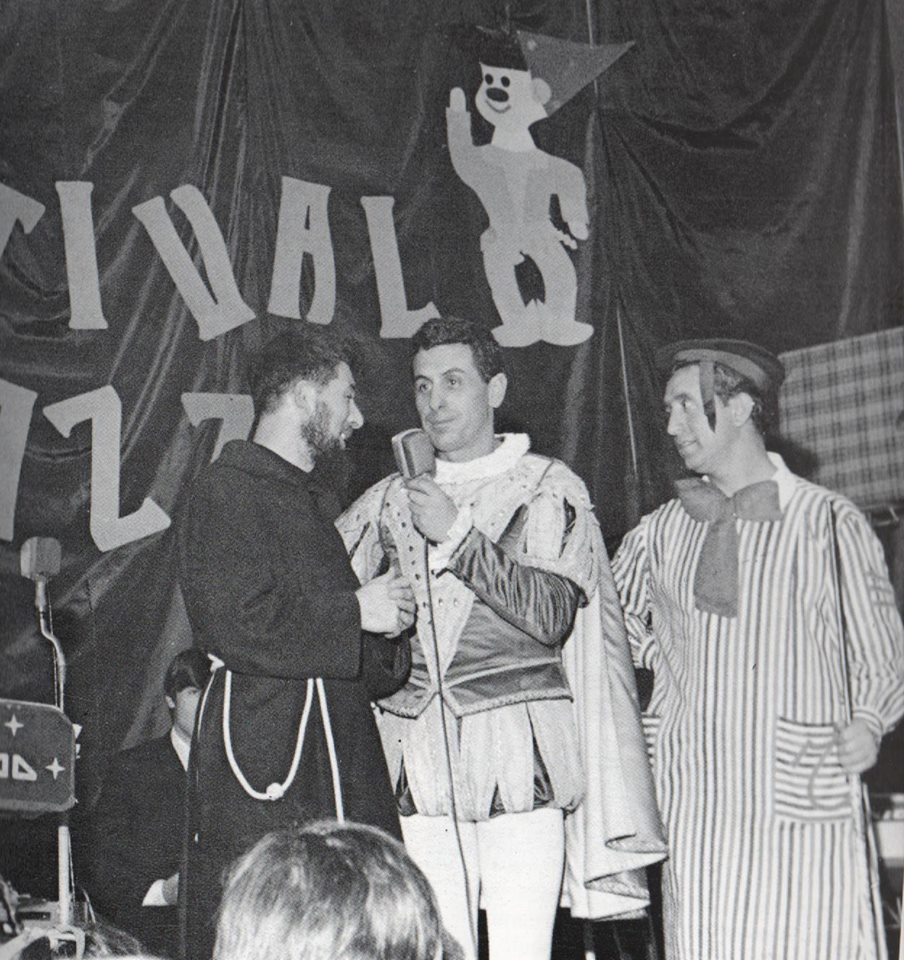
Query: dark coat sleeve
{"x": 386, "y": 664}
{"x": 136, "y": 827}
{"x": 267, "y": 583}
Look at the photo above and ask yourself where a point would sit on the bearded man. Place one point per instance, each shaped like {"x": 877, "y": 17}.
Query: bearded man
{"x": 285, "y": 733}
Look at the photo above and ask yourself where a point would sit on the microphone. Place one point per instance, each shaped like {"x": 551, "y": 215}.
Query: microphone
{"x": 39, "y": 560}
{"x": 413, "y": 453}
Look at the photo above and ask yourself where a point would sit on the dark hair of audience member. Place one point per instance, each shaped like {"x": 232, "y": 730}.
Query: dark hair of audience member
{"x": 328, "y": 891}
{"x": 189, "y": 668}
{"x": 102, "y": 939}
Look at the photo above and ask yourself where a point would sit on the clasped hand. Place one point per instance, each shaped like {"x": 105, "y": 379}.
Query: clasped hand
{"x": 857, "y": 746}
{"x": 387, "y": 604}
{"x": 432, "y": 511}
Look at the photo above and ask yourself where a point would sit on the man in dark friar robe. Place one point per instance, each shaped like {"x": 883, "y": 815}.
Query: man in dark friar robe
{"x": 285, "y": 733}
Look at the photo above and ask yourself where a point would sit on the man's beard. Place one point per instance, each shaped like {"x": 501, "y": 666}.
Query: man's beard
{"x": 316, "y": 433}
{"x": 327, "y": 450}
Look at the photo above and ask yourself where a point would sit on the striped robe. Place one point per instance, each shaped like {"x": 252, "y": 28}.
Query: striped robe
{"x": 769, "y": 856}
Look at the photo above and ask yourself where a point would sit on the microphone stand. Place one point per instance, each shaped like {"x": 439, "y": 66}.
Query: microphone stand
{"x": 64, "y": 844}
{"x": 59, "y": 658}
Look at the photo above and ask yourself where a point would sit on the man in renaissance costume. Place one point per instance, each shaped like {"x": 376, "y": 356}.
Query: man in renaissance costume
{"x": 514, "y": 748}
{"x": 761, "y": 603}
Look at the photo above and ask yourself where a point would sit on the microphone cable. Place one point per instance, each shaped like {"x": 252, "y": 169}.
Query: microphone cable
{"x": 469, "y": 905}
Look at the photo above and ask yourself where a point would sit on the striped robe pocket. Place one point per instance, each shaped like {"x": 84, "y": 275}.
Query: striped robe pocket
{"x": 810, "y": 785}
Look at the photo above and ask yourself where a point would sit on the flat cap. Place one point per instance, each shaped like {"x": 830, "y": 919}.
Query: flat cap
{"x": 756, "y": 363}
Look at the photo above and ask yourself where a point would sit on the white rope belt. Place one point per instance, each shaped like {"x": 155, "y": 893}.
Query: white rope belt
{"x": 276, "y": 791}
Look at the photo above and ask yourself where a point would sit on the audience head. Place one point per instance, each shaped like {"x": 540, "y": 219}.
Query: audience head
{"x": 186, "y": 677}
{"x": 104, "y": 940}
{"x": 328, "y": 891}
{"x": 94, "y": 939}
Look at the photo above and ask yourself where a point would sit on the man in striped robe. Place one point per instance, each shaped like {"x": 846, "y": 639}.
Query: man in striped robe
{"x": 762, "y": 604}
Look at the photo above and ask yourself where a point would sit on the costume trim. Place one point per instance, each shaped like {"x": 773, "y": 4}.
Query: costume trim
{"x": 512, "y": 447}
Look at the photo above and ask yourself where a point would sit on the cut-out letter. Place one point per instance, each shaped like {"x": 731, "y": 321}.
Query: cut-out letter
{"x": 396, "y": 320}
{"x": 235, "y": 410}
{"x": 304, "y": 227}
{"x": 16, "y": 208}
{"x": 16, "y": 404}
{"x": 104, "y": 409}
{"x": 85, "y": 310}
{"x": 225, "y": 309}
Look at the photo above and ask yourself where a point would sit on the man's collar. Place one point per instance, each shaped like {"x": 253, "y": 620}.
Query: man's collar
{"x": 783, "y": 478}
{"x": 256, "y": 458}
{"x": 511, "y": 448}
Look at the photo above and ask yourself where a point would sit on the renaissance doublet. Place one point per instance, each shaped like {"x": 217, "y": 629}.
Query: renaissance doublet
{"x": 512, "y": 608}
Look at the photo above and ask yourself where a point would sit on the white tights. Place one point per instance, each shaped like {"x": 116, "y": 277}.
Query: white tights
{"x": 514, "y": 864}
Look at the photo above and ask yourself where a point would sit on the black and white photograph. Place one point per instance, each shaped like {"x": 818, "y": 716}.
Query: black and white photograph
{"x": 451, "y": 479}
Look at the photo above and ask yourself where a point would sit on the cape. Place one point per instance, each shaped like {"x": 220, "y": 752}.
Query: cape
{"x": 616, "y": 830}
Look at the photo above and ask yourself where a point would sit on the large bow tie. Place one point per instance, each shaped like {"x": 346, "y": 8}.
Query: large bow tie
{"x": 716, "y": 580}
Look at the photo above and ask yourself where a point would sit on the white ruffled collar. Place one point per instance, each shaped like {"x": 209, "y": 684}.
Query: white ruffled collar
{"x": 512, "y": 447}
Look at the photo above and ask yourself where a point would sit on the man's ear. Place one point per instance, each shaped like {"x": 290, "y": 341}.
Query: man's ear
{"x": 496, "y": 388}
{"x": 740, "y": 407}
{"x": 170, "y": 702}
{"x": 304, "y": 395}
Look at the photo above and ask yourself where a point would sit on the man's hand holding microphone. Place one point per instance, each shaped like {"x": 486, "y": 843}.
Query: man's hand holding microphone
{"x": 387, "y": 602}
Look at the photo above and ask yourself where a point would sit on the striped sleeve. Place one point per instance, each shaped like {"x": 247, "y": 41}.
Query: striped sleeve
{"x": 875, "y": 631}
{"x": 631, "y": 571}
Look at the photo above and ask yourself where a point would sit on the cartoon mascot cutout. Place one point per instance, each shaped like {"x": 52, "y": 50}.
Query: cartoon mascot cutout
{"x": 525, "y": 79}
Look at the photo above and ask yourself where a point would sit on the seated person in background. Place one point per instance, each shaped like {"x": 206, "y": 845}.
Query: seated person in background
{"x": 137, "y": 825}
{"x": 329, "y": 891}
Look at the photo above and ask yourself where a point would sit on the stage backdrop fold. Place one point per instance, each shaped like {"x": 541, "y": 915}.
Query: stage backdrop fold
{"x": 743, "y": 179}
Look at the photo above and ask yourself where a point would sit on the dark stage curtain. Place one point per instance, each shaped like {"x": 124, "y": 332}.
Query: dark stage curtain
{"x": 743, "y": 179}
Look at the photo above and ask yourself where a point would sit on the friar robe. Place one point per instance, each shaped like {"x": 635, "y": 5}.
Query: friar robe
{"x": 270, "y": 593}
